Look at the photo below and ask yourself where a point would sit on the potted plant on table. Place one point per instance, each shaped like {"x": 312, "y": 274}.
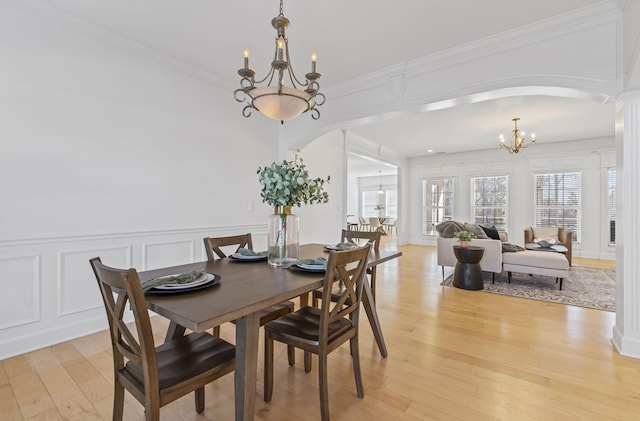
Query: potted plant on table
{"x": 464, "y": 237}
{"x": 286, "y": 184}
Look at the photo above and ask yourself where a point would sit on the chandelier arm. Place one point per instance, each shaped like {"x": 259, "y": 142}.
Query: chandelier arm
{"x": 292, "y": 75}
{"x": 315, "y": 113}
{"x": 319, "y": 103}
{"x": 237, "y": 91}
{"x": 246, "y": 111}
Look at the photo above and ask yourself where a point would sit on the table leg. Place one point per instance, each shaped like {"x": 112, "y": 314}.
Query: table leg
{"x": 372, "y": 314}
{"x": 174, "y": 331}
{"x": 247, "y": 329}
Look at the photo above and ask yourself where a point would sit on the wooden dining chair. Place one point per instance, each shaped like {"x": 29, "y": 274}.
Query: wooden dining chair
{"x": 374, "y": 224}
{"x": 322, "y": 330}
{"x": 373, "y": 238}
{"x": 155, "y": 376}
{"x": 213, "y": 248}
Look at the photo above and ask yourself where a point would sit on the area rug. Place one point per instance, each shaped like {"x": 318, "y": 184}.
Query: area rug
{"x": 585, "y": 287}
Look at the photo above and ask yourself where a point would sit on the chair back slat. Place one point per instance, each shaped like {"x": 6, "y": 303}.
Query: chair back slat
{"x": 137, "y": 346}
{"x": 212, "y": 245}
{"x": 353, "y": 237}
{"x": 348, "y": 267}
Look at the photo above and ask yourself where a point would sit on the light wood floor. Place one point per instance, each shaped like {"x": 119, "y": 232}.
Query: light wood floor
{"x": 453, "y": 354}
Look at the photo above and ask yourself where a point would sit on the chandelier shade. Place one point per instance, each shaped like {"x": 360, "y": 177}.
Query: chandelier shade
{"x": 282, "y": 104}
{"x": 517, "y": 140}
{"x": 282, "y": 96}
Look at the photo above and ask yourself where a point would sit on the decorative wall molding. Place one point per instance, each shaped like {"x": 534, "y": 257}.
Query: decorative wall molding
{"x": 22, "y": 305}
{"x": 63, "y": 301}
{"x": 77, "y": 292}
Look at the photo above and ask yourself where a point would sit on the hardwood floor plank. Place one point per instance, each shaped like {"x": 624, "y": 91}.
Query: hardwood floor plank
{"x": 453, "y": 354}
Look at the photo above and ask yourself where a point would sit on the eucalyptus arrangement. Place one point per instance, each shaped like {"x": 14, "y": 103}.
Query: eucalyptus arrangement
{"x": 285, "y": 184}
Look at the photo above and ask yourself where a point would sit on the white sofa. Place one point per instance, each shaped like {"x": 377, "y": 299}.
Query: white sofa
{"x": 491, "y": 259}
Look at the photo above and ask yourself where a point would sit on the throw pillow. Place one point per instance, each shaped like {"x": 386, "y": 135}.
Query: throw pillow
{"x": 446, "y": 229}
{"x": 511, "y": 248}
{"x": 492, "y": 232}
{"x": 545, "y": 233}
{"x": 475, "y": 230}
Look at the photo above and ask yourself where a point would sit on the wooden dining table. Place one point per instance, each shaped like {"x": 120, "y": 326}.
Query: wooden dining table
{"x": 244, "y": 289}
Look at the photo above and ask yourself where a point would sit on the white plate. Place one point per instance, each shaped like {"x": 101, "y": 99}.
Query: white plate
{"x": 200, "y": 280}
{"x": 244, "y": 257}
{"x": 311, "y": 268}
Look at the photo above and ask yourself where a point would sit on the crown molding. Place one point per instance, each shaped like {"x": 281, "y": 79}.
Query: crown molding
{"x": 115, "y": 39}
{"x": 601, "y": 13}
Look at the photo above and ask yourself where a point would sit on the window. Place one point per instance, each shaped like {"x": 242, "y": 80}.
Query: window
{"x": 437, "y": 203}
{"x": 391, "y": 203}
{"x": 369, "y": 203}
{"x": 489, "y": 202}
{"x": 557, "y": 201}
{"x": 611, "y": 204}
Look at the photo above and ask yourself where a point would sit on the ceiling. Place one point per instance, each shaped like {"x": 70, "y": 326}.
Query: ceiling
{"x": 352, "y": 38}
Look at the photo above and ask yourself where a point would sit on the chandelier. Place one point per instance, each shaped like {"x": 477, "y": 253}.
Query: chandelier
{"x": 380, "y": 191}
{"x": 517, "y": 140}
{"x": 279, "y": 101}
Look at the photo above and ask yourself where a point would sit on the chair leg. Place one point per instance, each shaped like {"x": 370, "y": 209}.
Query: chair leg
{"x": 324, "y": 387}
{"x": 268, "y": 367}
{"x": 355, "y": 354}
{"x": 509, "y": 277}
{"x": 443, "y": 272}
{"x": 560, "y": 284}
{"x": 307, "y": 361}
{"x": 199, "y": 400}
{"x": 118, "y": 401}
{"x": 291, "y": 354}
{"x": 373, "y": 283}
{"x": 493, "y": 278}
{"x": 216, "y": 331}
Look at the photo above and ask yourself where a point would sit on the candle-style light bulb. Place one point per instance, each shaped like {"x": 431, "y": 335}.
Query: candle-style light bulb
{"x": 533, "y": 137}
{"x": 314, "y": 56}
{"x": 280, "y": 47}
{"x": 246, "y": 58}
{"x": 502, "y": 139}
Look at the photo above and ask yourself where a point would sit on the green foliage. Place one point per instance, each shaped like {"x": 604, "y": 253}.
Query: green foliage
{"x": 287, "y": 183}
{"x": 464, "y": 235}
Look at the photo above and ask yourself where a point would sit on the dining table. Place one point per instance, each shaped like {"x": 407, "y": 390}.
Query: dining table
{"x": 245, "y": 288}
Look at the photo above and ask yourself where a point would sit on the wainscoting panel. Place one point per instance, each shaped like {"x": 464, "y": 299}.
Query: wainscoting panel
{"x": 50, "y": 294}
{"x": 169, "y": 253}
{"x": 20, "y": 285}
{"x": 76, "y": 284}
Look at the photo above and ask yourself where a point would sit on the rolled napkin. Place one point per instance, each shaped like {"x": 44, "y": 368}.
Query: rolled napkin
{"x": 183, "y": 278}
{"x": 346, "y": 246}
{"x": 249, "y": 252}
{"x": 320, "y": 261}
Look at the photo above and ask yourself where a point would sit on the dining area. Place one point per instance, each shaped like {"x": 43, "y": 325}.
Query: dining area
{"x": 243, "y": 288}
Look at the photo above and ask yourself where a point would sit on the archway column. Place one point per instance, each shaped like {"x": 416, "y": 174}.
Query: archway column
{"x": 626, "y": 332}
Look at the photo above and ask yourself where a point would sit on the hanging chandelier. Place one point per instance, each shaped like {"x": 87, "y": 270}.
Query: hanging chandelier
{"x": 517, "y": 140}
{"x": 380, "y": 191}
{"x": 279, "y": 101}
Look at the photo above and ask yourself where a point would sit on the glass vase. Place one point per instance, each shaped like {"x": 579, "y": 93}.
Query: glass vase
{"x": 283, "y": 237}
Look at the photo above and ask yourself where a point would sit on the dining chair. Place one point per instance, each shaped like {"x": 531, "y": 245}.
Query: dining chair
{"x": 373, "y": 238}
{"x": 322, "y": 330}
{"x": 364, "y": 225}
{"x": 374, "y": 224}
{"x": 213, "y": 249}
{"x": 155, "y": 376}
{"x": 391, "y": 224}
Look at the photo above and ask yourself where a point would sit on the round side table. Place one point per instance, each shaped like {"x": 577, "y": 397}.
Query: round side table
{"x": 468, "y": 274}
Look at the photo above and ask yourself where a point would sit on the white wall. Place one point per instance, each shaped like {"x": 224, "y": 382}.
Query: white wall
{"x": 324, "y": 157}
{"x": 590, "y": 157}
{"x": 106, "y": 153}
